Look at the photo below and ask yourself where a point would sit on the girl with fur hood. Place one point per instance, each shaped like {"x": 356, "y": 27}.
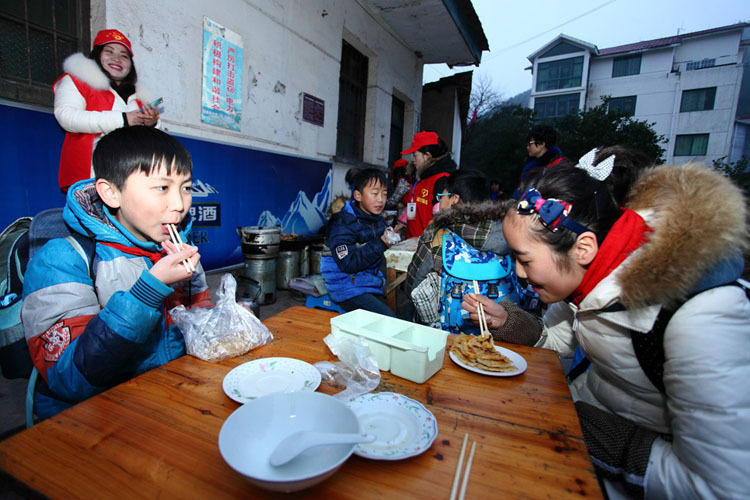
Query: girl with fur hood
{"x": 96, "y": 95}
{"x": 612, "y": 271}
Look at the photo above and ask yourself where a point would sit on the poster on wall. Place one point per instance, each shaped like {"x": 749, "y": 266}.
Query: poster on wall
{"x": 221, "y": 99}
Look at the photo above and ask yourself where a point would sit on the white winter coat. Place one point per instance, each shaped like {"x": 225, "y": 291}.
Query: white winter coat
{"x": 697, "y": 217}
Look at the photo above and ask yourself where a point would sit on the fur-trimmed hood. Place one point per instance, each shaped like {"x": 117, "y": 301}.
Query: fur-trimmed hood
{"x": 699, "y": 220}
{"x": 470, "y": 213}
{"x": 86, "y": 70}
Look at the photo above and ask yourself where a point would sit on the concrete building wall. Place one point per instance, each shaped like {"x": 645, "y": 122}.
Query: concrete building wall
{"x": 290, "y": 47}
{"x": 663, "y": 79}
{"x": 654, "y": 87}
{"x": 440, "y": 114}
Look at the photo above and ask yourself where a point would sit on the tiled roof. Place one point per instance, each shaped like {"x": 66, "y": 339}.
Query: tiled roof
{"x": 667, "y": 41}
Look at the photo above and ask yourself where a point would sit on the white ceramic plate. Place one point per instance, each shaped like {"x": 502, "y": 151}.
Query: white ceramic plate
{"x": 403, "y": 427}
{"x": 514, "y": 357}
{"x": 259, "y": 377}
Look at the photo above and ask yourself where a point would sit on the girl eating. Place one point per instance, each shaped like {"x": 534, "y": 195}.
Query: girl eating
{"x": 641, "y": 272}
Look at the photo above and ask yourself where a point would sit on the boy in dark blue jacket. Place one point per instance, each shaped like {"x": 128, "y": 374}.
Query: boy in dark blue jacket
{"x": 356, "y": 238}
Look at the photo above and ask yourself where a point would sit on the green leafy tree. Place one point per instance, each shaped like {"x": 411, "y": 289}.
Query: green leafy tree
{"x": 737, "y": 171}
{"x": 495, "y": 142}
{"x": 578, "y": 133}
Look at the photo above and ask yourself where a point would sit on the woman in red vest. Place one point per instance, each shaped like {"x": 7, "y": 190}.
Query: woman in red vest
{"x": 96, "y": 95}
{"x": 432, "y": 161}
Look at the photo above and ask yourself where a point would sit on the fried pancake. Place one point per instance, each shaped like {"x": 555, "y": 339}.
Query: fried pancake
{"x": 480, "y": 353}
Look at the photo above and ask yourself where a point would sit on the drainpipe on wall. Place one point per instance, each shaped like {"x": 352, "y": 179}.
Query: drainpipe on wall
{"x": 671, "y": 136}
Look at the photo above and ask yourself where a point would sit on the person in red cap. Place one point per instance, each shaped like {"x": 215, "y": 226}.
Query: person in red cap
{"x": 432, "y": 161}
{"x": 96, "y": 95}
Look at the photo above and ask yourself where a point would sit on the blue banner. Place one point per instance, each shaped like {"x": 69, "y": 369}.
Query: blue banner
{"x": 221, "y": 98}
{"x": 233, "y": 186}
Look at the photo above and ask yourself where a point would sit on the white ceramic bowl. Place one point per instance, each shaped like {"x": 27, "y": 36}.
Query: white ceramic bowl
{"x": 253, "y": 430}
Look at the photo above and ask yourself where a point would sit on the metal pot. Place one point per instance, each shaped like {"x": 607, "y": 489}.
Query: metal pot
{"x": 304, "y": 261}
{"x": 287, "y": 268}
{"x": 259, "y": 242}
{"x": 248, "y": 294}
{"x": 263, "y": 271}
{"x": 316, "y": 252}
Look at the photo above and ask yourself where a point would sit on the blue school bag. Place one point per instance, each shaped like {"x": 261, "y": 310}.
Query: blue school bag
{"x": 462, "y": 265}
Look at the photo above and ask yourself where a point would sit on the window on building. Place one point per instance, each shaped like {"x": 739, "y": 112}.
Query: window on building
{"x": 555, "y": 106}
{"x": 561, "y": 48}
{"x": 691, "y": 145}
{"x": 626, "y": 65}
{"x": 625, "y": 105}
{"x": 397, "y": 130}
{"x": 37, "y": 35}
{"x": 708, "y": 62}
{"x": 562, "y": 74}
{"x": 350, "y": 135}
{"x": 698, "y": 99}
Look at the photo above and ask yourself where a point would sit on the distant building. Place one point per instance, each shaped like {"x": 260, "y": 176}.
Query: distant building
{"x": 445, "y": 108}
{"x": 690, "y": 86}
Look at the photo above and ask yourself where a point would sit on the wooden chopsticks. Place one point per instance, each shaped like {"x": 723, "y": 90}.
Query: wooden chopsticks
{"x": 467, "y": 471}
{"x": 177, "y": 240}
{"x": 485, "y": 332}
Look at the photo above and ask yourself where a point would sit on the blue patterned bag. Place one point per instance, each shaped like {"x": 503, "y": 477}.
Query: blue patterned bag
{"x": 462, "y": 265}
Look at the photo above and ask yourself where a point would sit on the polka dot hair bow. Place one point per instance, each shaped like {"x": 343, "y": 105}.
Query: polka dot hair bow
{"x": 601, "y": 170}
{"x": 553, "y": 213}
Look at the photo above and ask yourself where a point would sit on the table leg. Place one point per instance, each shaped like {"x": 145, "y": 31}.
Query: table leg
{"x": 390, "y": 296}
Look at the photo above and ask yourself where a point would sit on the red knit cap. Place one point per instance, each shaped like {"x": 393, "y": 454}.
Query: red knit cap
{"x": 421, "y": 139}
{"x": 113, "y": 36}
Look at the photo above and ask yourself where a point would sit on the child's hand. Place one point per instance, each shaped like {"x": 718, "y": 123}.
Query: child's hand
{"x": 170, "y": 268}
{"x": 495, "y": 314}
{"x": 390, "y": 237}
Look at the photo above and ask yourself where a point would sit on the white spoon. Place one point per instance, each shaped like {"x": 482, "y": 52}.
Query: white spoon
{"x": 297, "y": 442}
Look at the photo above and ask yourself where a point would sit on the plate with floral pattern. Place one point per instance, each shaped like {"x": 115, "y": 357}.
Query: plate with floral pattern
{"x": 263, "y": 376}
{"x": 403, "y": 427}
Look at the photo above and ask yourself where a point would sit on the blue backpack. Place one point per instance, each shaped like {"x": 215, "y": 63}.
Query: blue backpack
{"x": 18, "y": 243}
{"x": 462, "y": 265}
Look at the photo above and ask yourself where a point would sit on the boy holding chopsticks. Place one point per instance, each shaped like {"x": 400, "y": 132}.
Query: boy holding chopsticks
{"x": 88, "y": 330}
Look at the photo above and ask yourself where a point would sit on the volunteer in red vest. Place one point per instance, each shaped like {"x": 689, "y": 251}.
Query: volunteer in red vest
{"x": 96, "y": 95}
{"x": 432, "y": 161}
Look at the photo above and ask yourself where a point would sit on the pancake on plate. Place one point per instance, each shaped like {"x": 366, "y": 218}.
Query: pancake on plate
{"x": 479, "y": 352}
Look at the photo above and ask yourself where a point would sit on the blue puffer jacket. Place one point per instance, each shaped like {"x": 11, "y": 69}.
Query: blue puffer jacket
{"x": 552, "y": 157}
{"x": 83, "y": 338}
{"x": 353, "y": 268}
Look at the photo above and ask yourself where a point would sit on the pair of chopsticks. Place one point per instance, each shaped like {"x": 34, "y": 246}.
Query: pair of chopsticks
{"x": 480, "y": 312}
{"x": 174, "y": 235}
{"x": 457, "y": 474}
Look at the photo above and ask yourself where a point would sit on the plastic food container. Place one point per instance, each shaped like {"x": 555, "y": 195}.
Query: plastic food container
{"x": 408, "y": 350}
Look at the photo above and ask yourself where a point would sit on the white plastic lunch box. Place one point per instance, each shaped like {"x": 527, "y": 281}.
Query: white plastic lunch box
{"x": 408, "y": 350}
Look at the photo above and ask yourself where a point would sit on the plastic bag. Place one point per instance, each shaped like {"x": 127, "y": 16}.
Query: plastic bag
{"x": 225, "y": 331}
{"x": 356, "y": 368}
{"x": 391, "y": 236}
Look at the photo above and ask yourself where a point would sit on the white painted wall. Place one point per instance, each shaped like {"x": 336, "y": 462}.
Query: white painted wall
{"x": 290, "y": 47}
{"x": 661, "y": 82}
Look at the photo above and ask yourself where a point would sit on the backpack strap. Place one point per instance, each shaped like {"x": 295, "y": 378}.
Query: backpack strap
{"x": 85, "y": 248}
{"x": 649, "y": 347}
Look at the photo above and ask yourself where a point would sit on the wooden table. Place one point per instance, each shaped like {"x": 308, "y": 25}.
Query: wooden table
{"x": 156, "y": 435}
{"x": 397, "y": 260}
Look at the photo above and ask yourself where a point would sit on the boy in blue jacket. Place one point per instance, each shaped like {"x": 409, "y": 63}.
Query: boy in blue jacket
{"x": 352, "y": 272}
{"x": 86, "y": 337}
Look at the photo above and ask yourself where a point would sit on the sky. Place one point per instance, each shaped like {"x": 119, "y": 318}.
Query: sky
{"x": 516, "y": 29}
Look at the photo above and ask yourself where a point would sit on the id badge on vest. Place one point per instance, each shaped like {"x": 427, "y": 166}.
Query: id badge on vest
{"x": 411, "y": 210}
